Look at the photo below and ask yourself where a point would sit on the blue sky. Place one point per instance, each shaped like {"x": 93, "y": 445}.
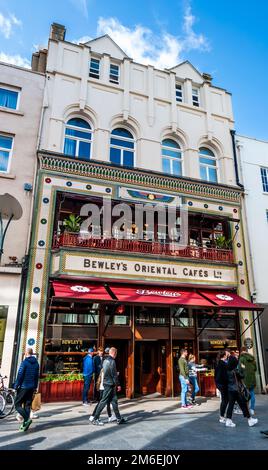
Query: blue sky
{"x": 226, "y": 38}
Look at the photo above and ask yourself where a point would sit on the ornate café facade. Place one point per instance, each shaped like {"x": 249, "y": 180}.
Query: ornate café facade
{"x": 118, "y": 131}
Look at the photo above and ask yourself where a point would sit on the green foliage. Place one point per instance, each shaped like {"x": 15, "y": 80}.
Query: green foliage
{"x": 223, "y": 243}
{"x": 72, "y": 223}
{"x": 71, "y": 377}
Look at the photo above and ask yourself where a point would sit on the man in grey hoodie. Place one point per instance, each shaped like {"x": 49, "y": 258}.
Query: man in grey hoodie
{"x": 111, "y": 386}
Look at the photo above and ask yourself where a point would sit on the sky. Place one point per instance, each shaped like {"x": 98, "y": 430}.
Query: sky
{"x": 226, "y": 38}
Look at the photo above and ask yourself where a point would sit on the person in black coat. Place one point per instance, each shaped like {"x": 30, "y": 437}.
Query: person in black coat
{"x": 26, "y": 384}
{"x": 234, "y": 380}
{"x": 221, "y": 380}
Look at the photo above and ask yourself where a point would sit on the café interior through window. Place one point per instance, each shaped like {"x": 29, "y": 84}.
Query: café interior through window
{"x": 71, "y": 329}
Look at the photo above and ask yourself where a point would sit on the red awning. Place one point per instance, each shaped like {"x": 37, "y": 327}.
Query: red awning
{"x": 158, "y": 295}
{"x": 228, "y": 299}
{"x": 80, "y": 290}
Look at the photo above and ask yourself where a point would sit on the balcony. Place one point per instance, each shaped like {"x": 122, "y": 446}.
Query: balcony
{"x": 75, "y": 240}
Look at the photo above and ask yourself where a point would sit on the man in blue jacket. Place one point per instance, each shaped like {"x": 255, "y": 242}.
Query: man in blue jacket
{"x": 88, "y": 370}
{"x": 26, "y": 384}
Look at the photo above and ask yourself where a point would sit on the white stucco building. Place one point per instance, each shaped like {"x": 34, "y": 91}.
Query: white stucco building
{"x": 21, "y": 100}
{"x": 253, "y": 159}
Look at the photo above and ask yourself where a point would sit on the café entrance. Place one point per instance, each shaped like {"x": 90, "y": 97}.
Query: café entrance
{"x": 150, "y": 367}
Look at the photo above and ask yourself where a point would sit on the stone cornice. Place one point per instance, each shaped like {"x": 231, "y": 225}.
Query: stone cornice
{"x": 151, "y": 180}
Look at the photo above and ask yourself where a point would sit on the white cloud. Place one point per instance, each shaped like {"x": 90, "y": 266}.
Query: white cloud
{"x": 82, "y": 40}
{"x": 15, "y": 60}
{"x": 162, "y": 50}
{"x": 7, "y": 23}
{"x": 81, "y": 5}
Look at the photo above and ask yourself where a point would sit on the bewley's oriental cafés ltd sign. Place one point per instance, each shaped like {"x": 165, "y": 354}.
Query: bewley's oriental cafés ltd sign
{"x": 122, "y": 268}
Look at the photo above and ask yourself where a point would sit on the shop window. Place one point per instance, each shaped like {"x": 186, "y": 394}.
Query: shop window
{"x": 149, "y": 316}
{"x": 181, "y": 317}
{"x": 3, "y": 322}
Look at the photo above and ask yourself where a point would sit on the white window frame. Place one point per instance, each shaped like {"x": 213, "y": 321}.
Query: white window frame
{"x": 10, "y": 153}
{"x": 207, "y": 166}
{"x": 10, "y": 88}
{"x": 172, "y": 158}
{"x": 179, "y": 86}
{"x": 196, "y": 93}
{"x": 89, "y": 72}
{"x": 263, "y": 182}
{"x": 126, "y": 139}
{"x": 78, "y": 139}
{"x": 110, "y": 74}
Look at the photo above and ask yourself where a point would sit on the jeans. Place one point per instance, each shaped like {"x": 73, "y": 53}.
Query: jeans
{"x": 108, "y": 405}
{"x": 224, "y": 399}
{"x": 23, "y": 402}
{"x": 233, "y": 397}
{"x": 87, "y": 382}
{"x": 252, "y": 398}
{"x": 184, "y": 389}
{"x": 109, "y": 396}
{"x": 195, "y": 387}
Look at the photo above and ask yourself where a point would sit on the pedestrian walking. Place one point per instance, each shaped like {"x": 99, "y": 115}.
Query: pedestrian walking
{"x": 221, "y": 381}
{"x": 111, "y": 386}
{"x": 26, "y": 384}
{"x": 247, "y": 365}
{"x": 234, "y": 382}
{"x": 100, "y": 388}
{"x": 88, "y": 370}
{"x": 184, "y": 378}
{"x": 193, "y": 369}
{"x": 97, "y": 365}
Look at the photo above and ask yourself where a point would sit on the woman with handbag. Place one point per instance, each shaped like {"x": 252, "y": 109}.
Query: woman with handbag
{"x": 237, "y": 392}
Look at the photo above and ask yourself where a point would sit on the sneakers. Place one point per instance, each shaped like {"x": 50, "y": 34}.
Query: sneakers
{"x": 187, "y": 406}
{"x": 97, "y": 422}
{"x": 26, "y": 425}
{"x": 222, "y": 419}
{"x": 85, "y": 403}
{"x": 229, "y": 423}
{"x": 112, "y": 418}
{"x": 252, "y": 421}
{"x": 19, "y": 418}
{"x": 91, "y": 418}
{"x": 121, "y": 421}
{"x": 34, "y": 415}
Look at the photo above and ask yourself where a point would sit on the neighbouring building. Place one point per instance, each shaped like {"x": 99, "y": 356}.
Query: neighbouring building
{"x": 124, "y": 132}
{"x": 253, "y": 159}
{"x": 21, "y": 100}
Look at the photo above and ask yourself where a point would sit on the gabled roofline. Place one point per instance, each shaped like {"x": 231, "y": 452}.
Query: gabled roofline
{"x": 109, "y": 37}
{"x": 187, "y": 62}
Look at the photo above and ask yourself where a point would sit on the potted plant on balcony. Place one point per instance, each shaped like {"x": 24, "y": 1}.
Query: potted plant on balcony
{"x": 71, "y": 225}
{"x": 223, "y": 243}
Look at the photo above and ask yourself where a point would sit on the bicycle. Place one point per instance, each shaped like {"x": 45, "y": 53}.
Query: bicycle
{"x": 7, "y": 399}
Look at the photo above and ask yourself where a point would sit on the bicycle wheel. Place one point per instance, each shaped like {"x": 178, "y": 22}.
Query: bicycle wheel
{"x": 2, "y": 404}
{"x": 9, "y": 404}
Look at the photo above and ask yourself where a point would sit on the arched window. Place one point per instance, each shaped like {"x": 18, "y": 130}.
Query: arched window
{"x": 122, "y": 147}
{"x": 171, "y": 157}
{"x": 78, "y": 138}
{"x": 208, "y": 165}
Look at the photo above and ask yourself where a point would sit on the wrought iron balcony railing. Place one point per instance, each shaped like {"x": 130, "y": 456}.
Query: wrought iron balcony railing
{"x": 67, "y": 239}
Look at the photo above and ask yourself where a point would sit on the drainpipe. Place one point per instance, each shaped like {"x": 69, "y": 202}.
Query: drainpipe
{"x": 232, "y": 132}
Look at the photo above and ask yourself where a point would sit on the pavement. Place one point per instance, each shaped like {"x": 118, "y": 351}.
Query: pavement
{"x": 154, "y": 423}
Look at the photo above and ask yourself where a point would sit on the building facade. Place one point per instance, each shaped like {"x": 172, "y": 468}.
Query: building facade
{"x": 21, "y": 100}
{"x": 121, "y": 132}
{"x": 253, "y": 158}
